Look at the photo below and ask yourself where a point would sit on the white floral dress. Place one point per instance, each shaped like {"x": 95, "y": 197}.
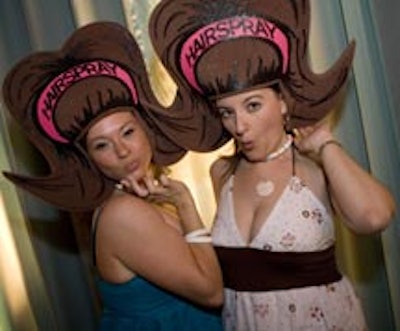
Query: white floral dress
{"x": 299, "y": 222}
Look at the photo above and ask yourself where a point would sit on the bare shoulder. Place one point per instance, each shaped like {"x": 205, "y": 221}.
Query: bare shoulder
{"x": 313, "y": 175}
{"x": 125, "y": 225}
{"x": 127, "y": 210}
{"x": 218, "y": 168}
{"x": 308, "y": 163}
{"x": 219, "y": 171}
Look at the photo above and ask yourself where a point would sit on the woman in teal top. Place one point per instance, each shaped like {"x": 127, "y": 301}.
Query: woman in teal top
{"x": 90, "y": 110}
{"x": 140, "y": 305}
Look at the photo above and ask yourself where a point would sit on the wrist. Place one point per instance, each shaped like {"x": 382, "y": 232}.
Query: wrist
{"x": 185, "y": 202}
{"x": 325, "y": 144}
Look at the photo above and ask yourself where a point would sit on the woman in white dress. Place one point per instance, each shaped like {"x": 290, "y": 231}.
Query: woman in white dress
{"x": 289, "y": 177}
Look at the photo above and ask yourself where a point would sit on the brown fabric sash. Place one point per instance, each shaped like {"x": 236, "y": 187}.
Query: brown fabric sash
{"x": 248, "y": 269}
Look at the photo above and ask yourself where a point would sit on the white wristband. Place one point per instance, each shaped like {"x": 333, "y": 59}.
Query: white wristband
{"x": 197, "y": 233}
{"x": 199, "y": 240}
{"x": 198, "y": 236}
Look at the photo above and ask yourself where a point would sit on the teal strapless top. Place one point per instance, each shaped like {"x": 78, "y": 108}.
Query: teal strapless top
{"x": 138, "y": 305}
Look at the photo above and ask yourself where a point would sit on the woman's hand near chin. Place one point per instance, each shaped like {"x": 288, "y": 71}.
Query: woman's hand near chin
{"x": 161, "y": 190}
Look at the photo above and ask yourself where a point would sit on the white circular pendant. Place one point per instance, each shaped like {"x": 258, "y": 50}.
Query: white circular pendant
{"x": 265, "y": 188}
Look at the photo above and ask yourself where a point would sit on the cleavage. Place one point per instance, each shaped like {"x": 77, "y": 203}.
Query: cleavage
{"x": 252, "y": 211}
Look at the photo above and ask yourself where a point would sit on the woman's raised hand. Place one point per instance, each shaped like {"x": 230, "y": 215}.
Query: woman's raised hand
{"x": 161, "y": 190}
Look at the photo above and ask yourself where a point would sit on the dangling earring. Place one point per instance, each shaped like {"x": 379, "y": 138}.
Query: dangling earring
{"x": 286, "y": 118}
{"x": 286, "y": 123}
{"x": 284, "y": 109}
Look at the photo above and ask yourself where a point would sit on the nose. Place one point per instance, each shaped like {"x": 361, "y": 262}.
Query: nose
{"x": 241, "y": 123}
{"x": 121, "y": 149}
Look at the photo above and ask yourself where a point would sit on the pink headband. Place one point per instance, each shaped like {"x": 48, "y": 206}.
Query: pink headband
{"x": 229, "y": 28}
{"x": 48, "y": 99}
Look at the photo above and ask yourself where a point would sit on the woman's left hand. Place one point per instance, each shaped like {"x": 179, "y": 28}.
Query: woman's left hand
{"x": 309, "y": 139}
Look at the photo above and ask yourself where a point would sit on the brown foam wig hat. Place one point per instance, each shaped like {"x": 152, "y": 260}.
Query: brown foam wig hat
{"x": 217, "y": 48}
{"x": 56, "y": 96}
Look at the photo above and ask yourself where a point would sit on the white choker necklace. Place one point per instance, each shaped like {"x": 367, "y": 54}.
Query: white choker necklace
{"x": 282, "y": 149}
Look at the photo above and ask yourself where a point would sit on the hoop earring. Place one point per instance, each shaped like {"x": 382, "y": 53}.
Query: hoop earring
{"x": 287, "y": 122}
{"x": 284, "y": 109}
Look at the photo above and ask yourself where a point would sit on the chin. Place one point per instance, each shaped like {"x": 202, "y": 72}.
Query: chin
{"x": 253, "y": 158}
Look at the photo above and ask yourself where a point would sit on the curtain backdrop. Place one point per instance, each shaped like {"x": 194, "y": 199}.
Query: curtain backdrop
{"x": 53, "y": 277}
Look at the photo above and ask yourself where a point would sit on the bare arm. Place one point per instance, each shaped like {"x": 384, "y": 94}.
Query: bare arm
{"x": 367, "y": 206}
{"x": 149, "y": 247}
